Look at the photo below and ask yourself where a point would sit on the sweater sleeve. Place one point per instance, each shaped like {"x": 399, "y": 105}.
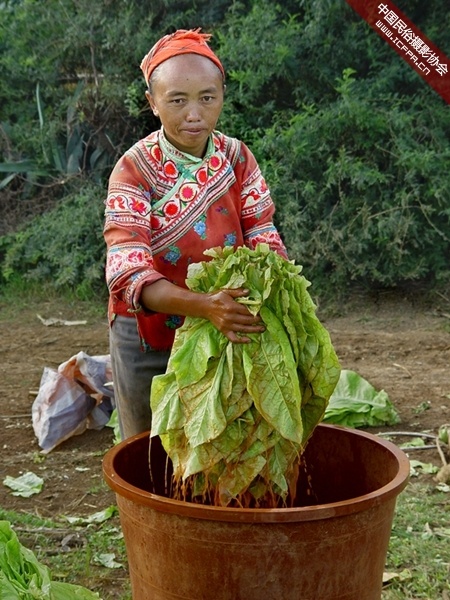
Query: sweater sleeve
{"x": 257, "y": 207}
{"x": 127, "y": 233}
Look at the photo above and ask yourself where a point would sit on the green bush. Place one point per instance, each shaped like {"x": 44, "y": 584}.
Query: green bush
{"x": 353, "y": 143}
{"x": 63, "y": 247}
{"x": 362, "y": 188}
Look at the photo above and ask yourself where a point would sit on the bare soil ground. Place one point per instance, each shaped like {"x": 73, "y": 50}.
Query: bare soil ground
{"x": 397, "y": 343}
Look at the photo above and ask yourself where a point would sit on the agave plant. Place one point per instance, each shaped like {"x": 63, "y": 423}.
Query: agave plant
{"x": 60, "y": 157}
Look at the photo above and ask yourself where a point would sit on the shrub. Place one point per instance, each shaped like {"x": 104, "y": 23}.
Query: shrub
{"x": 364, "y": 193}
{"x": 63, "y": 247}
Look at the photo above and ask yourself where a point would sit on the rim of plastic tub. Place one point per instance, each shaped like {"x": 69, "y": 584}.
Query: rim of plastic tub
{"x": 267, "y": 515}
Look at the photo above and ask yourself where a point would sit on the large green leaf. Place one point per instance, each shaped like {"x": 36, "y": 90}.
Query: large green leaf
{"x": 167, "y": 408}
{"x": 189, "y": 360}
{"x": 238, "y": 477}
{"x": 207, "y": 420}
{"x": 272, "y": 378}
{"x": 356, "y": 403}
{"x": 23, "y": 577}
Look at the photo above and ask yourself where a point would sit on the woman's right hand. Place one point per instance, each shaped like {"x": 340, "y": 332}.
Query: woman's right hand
{"x": 232, "y": 318}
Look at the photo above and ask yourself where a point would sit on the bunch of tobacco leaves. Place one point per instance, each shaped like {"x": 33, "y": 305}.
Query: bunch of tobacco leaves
{"x": 234, "y": 418}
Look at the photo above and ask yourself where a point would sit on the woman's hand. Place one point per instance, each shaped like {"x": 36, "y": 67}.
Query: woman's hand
{"x": 232, "y": 318}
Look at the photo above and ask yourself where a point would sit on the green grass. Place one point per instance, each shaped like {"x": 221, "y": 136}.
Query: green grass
{"x": 419, "y": 549}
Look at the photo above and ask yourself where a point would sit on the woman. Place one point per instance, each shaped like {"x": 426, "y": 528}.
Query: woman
{"x": 181, "y": 190}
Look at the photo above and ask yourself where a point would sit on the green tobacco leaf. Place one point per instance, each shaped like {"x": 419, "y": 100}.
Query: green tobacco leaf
{"x": 18, "y": 565}
{"x": 279, "y": 464}
{"x": 356, "y": 403}
{"x": 261, "y": 446}
{"x": 26, "y": 485}
{"x": 312, "y": 413}
{"x": 207, "y": 420}
{"x": 166, "y": 406}
{"x": 7, "y": 590}
{"x": 68, "y": 591}
{"x": 193, "y": 394}
{"x": 233, "y": 385}
{"x": 444, "y": 434}
{"x": 23, "y": 577}
{"x": 236, "y": 479}
{"x": 201, "y": 342}
{"x": 416, "y": 467}
{"x": 272, "y": 379}
{"x": 416, "y": 442}
{"x": 174, "y": 443}
{"x": 201, "y": 459}
{"x": 98, "y": 517}
{"x": 114, "y": 424}
{"x": 205, "y": 457}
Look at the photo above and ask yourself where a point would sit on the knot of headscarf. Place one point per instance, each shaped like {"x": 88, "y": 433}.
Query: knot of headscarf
{"x": 183, "y": 41}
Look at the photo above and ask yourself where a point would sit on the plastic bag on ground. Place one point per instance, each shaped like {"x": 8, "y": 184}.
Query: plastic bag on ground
{"x": 72, "y": 398}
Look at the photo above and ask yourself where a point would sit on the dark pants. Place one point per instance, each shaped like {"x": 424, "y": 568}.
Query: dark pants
{"x": 133, "y": 371}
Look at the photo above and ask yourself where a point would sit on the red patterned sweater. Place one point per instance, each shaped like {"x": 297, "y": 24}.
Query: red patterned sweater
{"x": 164, "y": 208}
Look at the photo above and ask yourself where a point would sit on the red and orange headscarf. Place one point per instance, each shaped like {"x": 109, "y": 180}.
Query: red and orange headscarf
{"x": 183, "y": 41}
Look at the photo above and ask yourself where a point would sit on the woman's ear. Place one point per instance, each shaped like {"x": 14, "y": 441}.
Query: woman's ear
{"x": 151, "y": 103}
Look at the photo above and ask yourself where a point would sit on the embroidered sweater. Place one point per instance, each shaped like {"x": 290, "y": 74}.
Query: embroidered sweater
{"x": 165, "y": 208}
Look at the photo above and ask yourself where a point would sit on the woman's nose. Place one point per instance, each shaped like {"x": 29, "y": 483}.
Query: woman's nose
{"x": 193, "y": 113}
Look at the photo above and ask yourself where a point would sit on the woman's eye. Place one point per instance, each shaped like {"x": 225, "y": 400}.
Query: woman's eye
{"x": 177, "y": 101}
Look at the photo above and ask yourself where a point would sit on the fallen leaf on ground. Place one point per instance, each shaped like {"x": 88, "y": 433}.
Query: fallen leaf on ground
{"x": 26, "y": 485}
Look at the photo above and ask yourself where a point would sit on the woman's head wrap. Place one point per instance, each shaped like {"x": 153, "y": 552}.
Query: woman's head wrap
{"x": 182, "y": 41}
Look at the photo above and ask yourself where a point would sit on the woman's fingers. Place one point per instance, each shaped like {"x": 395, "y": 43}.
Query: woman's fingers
{"x": 232, "y": 318}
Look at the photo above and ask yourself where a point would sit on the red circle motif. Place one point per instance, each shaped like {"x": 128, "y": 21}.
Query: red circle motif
{"x": 171, "y": 209}
{"x": 202, "y": 176}
{"x": 156, "y": 153}
{"x": 188, "y": 192}
{"x": 170, "y": 169}
{"x": 155, "y": 222}
{"x": 215, "y": 162}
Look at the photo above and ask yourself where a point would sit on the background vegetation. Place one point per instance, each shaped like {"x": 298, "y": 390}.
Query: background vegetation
{"x": 353, "y": 143}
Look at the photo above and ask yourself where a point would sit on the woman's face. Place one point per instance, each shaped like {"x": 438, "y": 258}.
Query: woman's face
{"x": 187, "y": 96}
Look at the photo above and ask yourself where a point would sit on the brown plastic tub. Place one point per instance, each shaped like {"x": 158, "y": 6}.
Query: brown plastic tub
{"x": 333, "y": 547}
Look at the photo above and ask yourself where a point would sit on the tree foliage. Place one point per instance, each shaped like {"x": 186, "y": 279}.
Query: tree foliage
{"x": 367, "y": 198}
{"x": 353, "y": 143}
{"x": 62, "y": 248}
